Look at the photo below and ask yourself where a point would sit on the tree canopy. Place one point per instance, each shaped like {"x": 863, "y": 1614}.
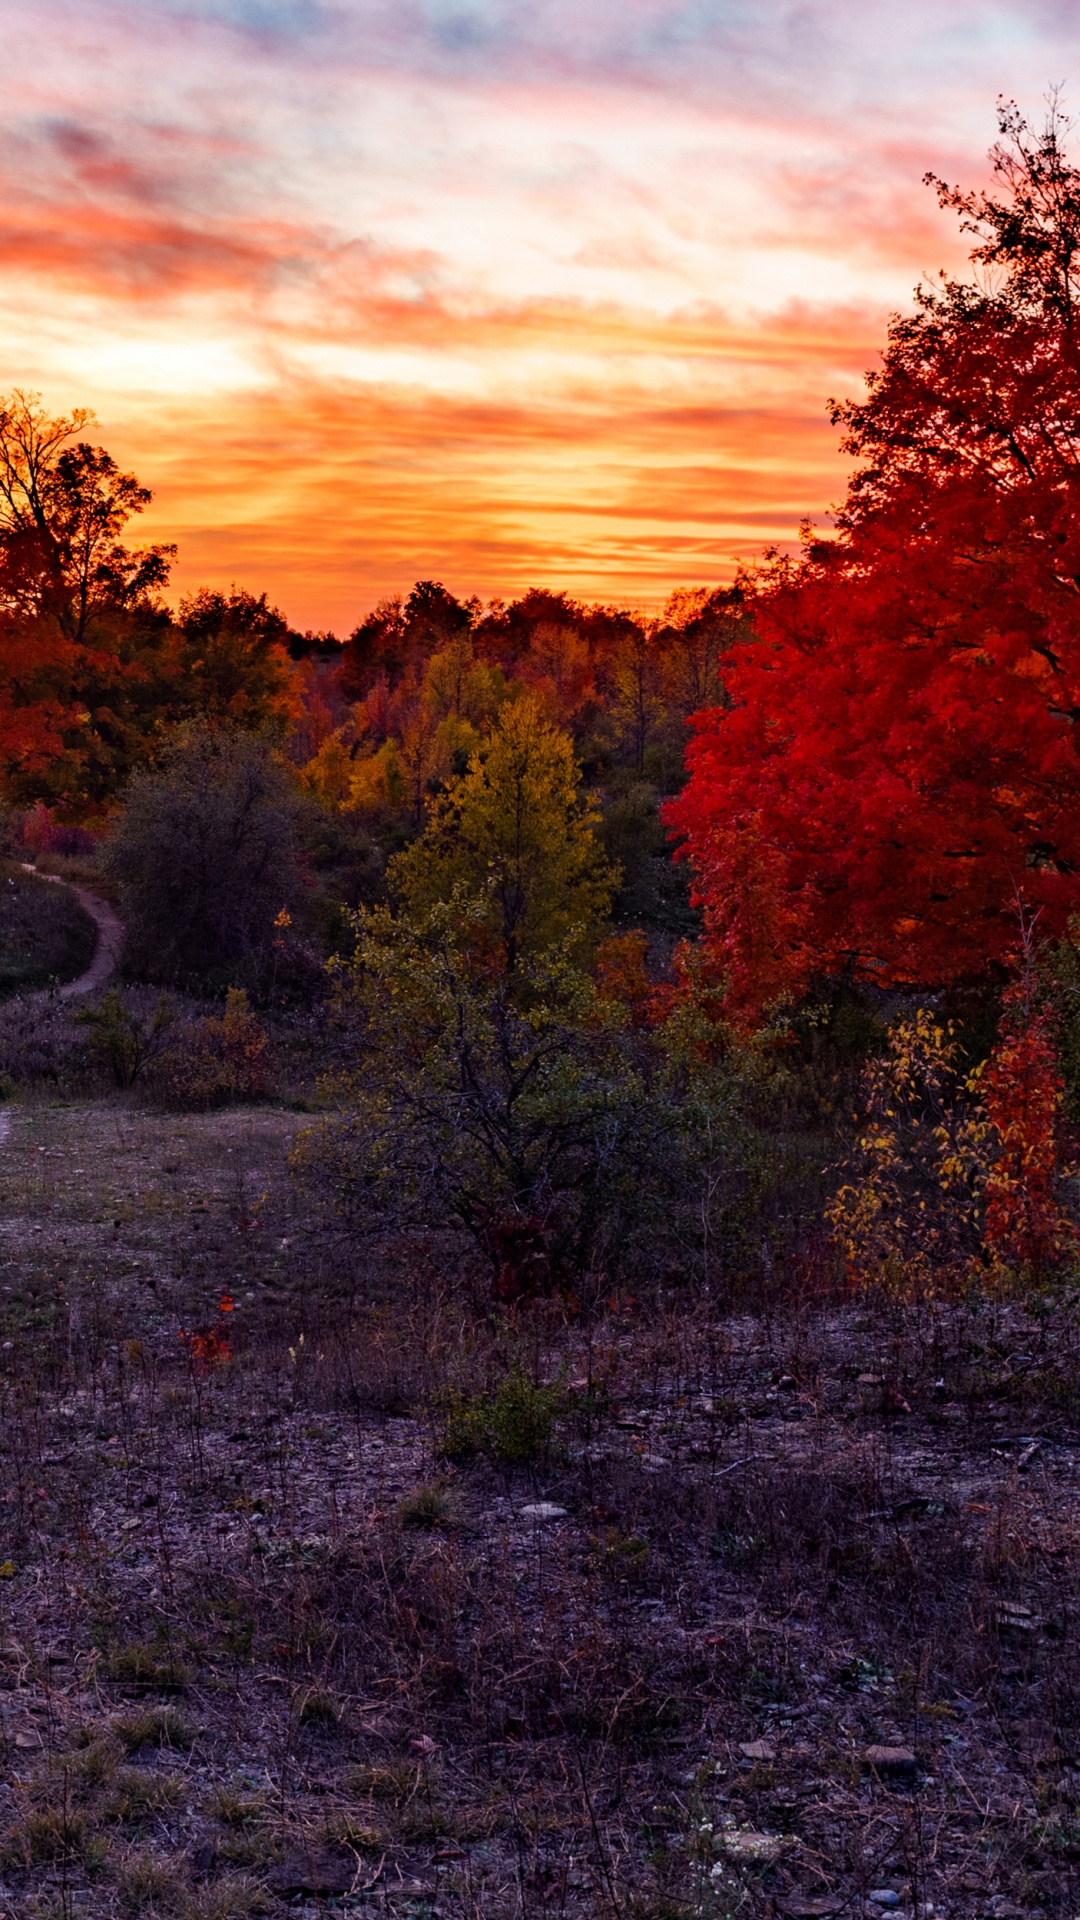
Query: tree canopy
{"x": 897, "y": 768}
{"x": 514, "y": 837}
{"x": 93, "y": 666}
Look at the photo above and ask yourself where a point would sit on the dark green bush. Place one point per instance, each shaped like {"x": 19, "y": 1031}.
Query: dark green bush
{"x": 514, "y": 1424}
{"x": 123, "y": 1041}
{"x": 205, "y": 854}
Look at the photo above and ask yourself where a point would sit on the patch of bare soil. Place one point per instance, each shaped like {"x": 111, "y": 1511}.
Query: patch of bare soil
{"x": 780, "y": 1618}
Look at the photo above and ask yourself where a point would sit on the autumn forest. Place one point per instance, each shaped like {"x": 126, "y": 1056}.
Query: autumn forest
{"x": 539, "y": 1227}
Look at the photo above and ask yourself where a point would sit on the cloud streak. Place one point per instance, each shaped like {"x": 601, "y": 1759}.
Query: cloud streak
{"x": 369, "y": 291}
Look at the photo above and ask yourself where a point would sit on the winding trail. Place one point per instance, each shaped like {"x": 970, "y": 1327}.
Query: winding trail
{"x": 106, "y": 958}
{"x": 104, "y": 964}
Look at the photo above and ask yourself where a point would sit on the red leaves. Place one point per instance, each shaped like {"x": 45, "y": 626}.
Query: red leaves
{"x": 209, "y": 1346}
{"x": 1022, "y": 1092}
{"x": 900, "y": 765}
{"x": 879, "y": 797}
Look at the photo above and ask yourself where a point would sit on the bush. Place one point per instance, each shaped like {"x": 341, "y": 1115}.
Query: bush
{"x": 211, "y": 1063}
{"x": 515, "y": 1424}
{"x": 45, "y": 934}
{"x": 958, "y": 1176}
{"x": 120, "y": 1040}
{"x": 521, "y": 1111}
{"x": 205, "y": 853}
{"x": 39, "y": 833}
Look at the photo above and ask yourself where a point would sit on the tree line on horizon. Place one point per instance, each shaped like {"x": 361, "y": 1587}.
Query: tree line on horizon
{"x": 95, "y": 667}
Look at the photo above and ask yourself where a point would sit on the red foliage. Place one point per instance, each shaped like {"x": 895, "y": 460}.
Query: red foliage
{"x": 621, "y": 974}
{"x": 36, "y": 698}
{"x": 523, "y": 1265}
{"x": 209, "y": 1345}
{"x": 900, "y": 763}
{"x": 1022, "y": 1090}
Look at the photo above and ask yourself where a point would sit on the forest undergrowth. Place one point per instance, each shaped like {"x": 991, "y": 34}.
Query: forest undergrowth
{"x": 328, "y": 1586}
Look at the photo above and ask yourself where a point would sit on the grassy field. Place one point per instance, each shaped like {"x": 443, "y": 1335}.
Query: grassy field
{"x": 317, "y": 1581}
{"x": 45, "y": 934}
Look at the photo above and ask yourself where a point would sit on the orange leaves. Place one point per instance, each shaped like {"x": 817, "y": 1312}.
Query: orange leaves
{"x": 621, "y": 974}
{"x": 209, "y": 1346}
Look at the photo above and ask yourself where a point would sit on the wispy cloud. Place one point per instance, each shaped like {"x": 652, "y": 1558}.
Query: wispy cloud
{"x": 378, "y": 288}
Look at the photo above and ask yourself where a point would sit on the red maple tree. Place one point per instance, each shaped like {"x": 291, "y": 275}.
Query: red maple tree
{"x": 897, "y": 767}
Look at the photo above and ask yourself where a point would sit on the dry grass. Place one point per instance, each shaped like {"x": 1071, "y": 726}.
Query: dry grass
{"x": 251, "y": 1616}
{"x": 46, "y": 935}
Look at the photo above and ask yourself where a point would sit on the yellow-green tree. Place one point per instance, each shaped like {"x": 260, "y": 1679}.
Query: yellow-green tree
{"x": 459, "y": 687}
{"x": 514, "y": 835}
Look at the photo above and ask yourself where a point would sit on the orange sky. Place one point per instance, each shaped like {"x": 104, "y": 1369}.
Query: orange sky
{"x": 499, "y": 294}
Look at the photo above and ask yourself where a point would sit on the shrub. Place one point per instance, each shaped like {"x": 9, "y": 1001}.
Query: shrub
{"x": 911, "y": 1204}
{"x": 40, "y": 834}
{"x": 205, "y": 855}
{"x": 957, "y": 1175}
{"x": 212, "y": 1062}
{"x": 520, "y": 1110}
{"x": 514, "y": 1424}
{"x": 120, "y": 1040}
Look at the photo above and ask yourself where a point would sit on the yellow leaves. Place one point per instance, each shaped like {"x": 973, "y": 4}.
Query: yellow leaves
{"x": 950, "y": 1172}
{"x": 329, "y": 774}
{"x": 515, "y": 837}
{"x": 460, "y": 689}
{"x": 918, "y": 1167}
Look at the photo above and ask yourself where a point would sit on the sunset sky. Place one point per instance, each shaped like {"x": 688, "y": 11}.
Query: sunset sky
{"x": 499, "y": 291}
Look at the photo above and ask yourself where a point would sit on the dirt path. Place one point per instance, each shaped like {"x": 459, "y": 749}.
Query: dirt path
{"x": 107, "y": 952}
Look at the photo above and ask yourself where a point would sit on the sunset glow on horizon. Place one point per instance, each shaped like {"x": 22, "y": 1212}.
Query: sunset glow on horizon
{"x": 501, "y": 294}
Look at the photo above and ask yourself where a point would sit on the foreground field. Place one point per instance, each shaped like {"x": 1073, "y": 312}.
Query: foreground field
{"x": 635, "y": 1648}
